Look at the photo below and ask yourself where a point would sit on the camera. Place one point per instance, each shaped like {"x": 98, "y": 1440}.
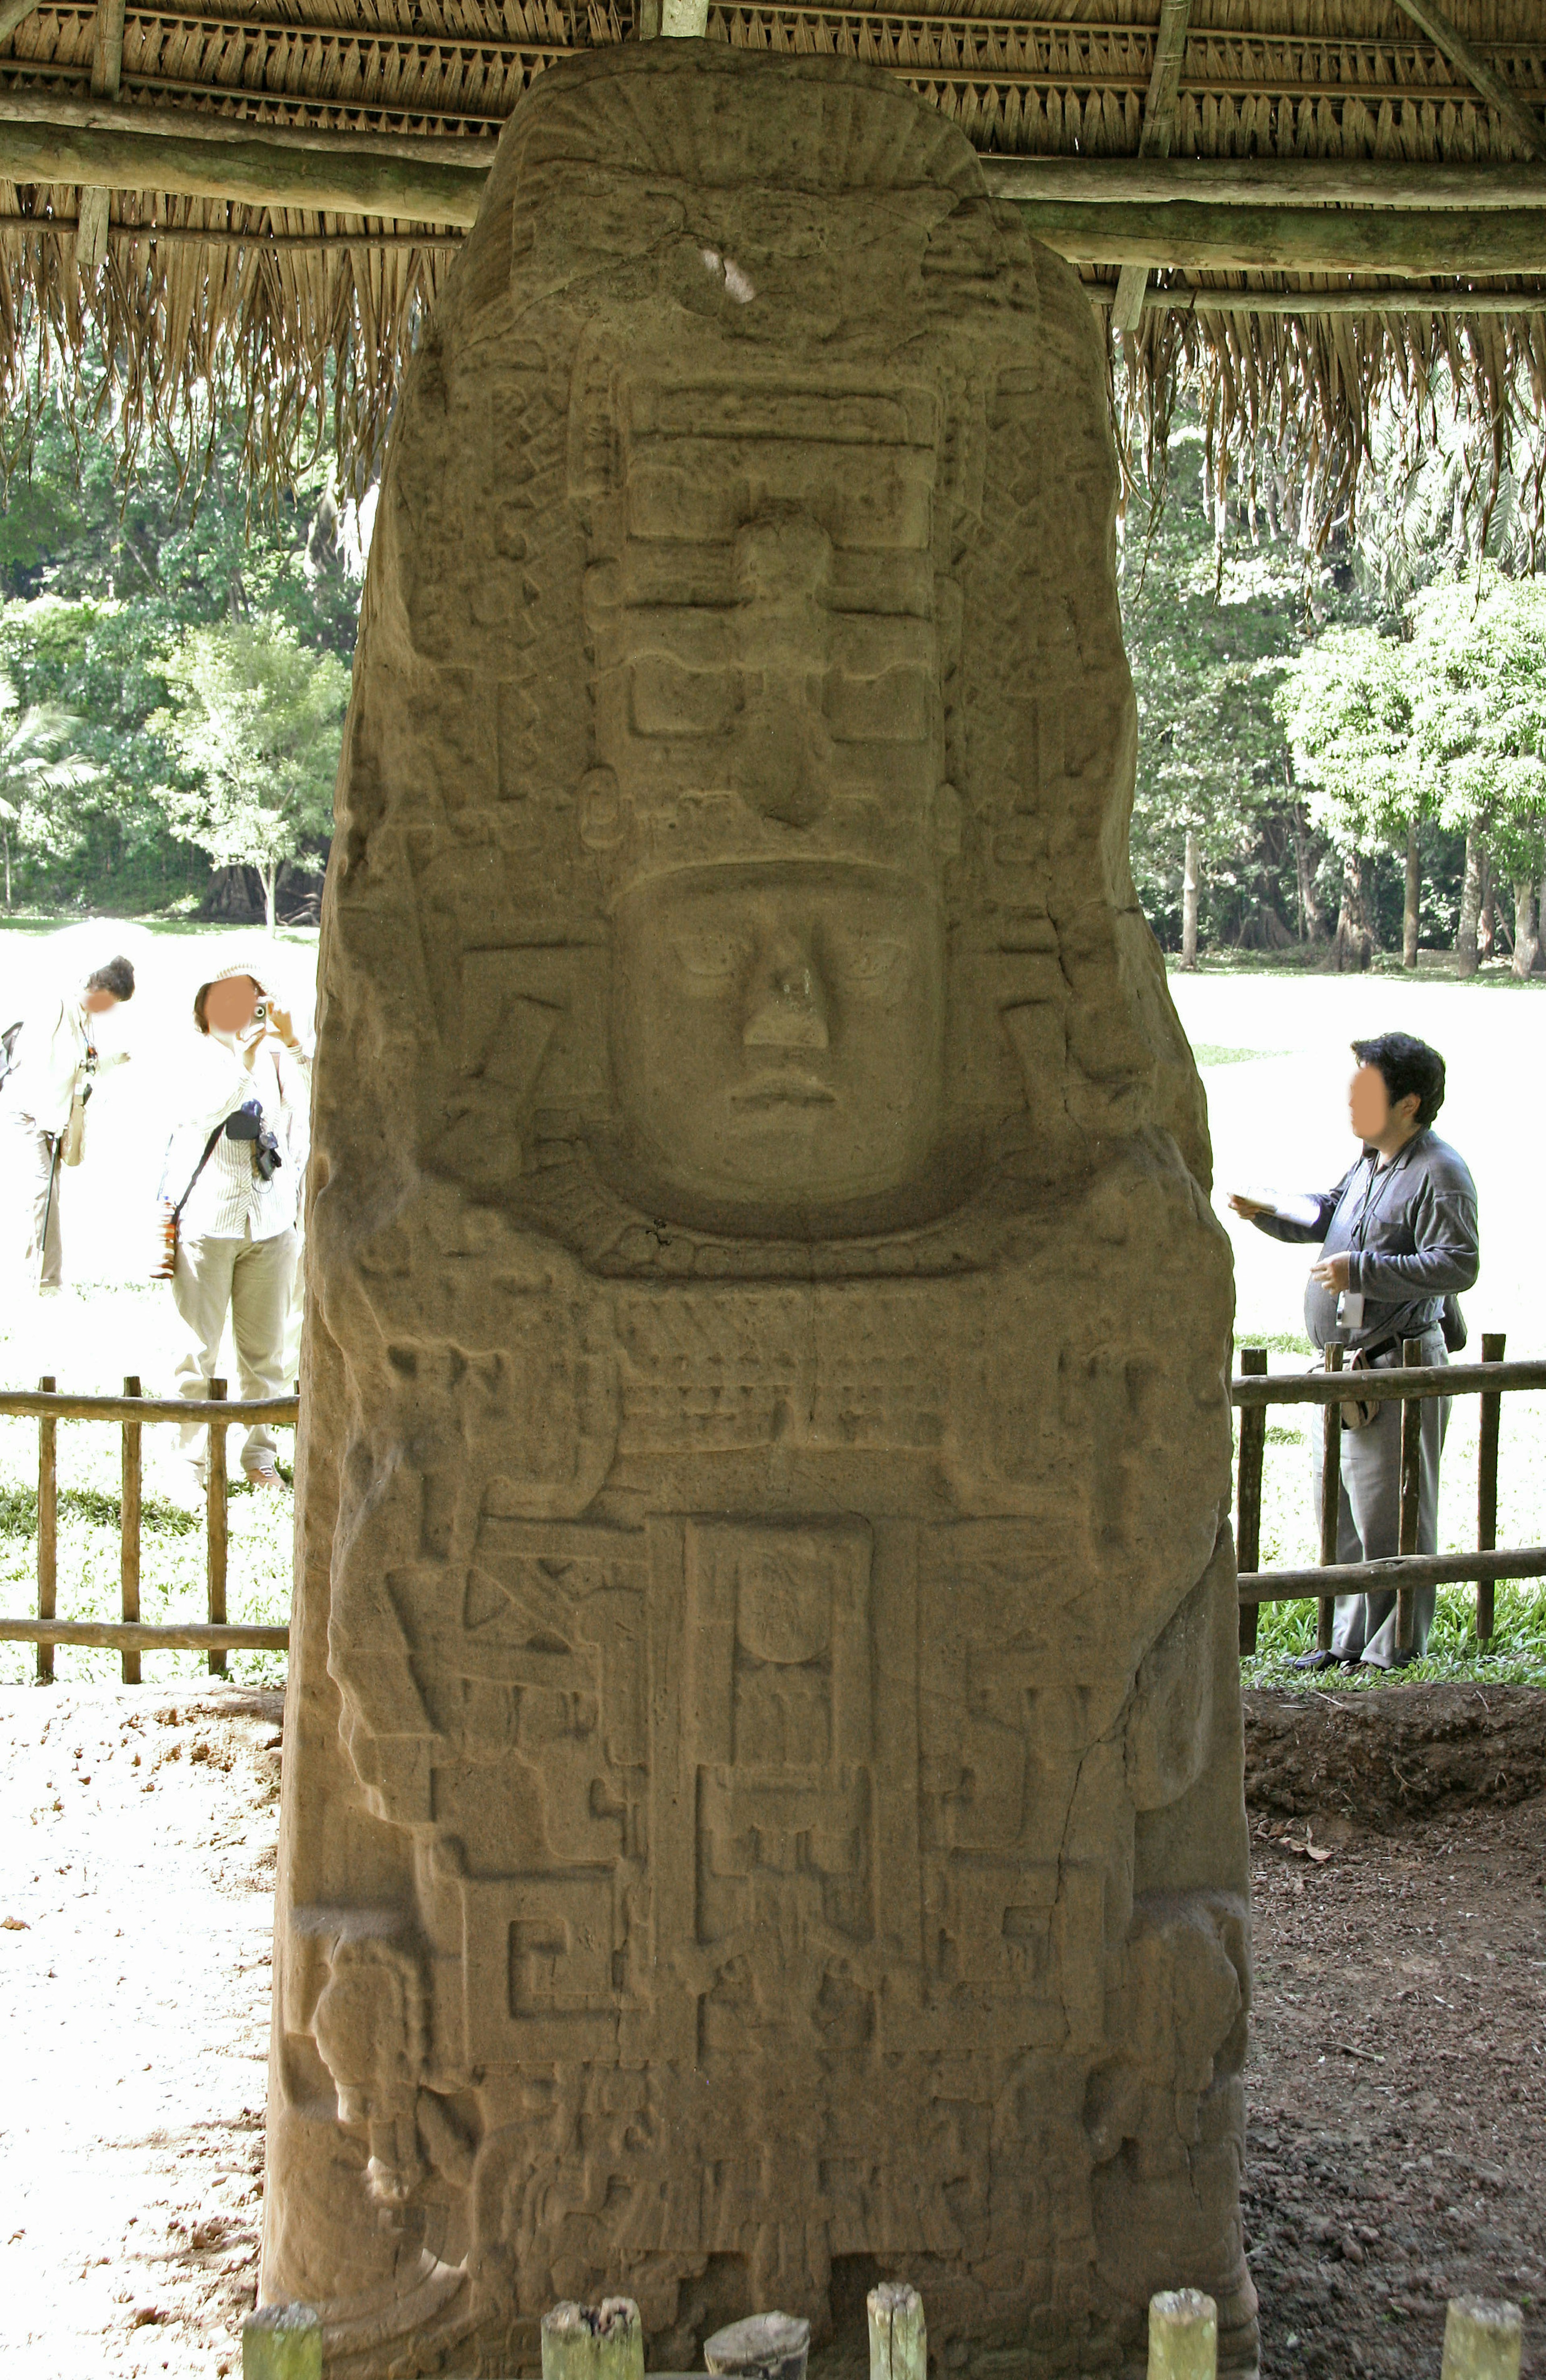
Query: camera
{"x": 260, "y": 1012}
{"x": 246, "y": 1123}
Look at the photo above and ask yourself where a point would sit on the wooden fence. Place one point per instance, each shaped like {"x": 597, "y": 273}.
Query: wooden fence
{"x": 1252, "y": 1391}
{"x": 131, "y": 1636}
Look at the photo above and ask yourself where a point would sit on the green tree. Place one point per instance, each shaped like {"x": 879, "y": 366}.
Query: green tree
{"x": 1346, "y": 706}
{"x": 253, "y": 722}
{"x": 37, "y": 778}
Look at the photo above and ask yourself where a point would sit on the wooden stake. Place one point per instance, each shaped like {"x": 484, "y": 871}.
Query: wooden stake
{"x": 215, "y": 1506}
{"x": 282, "y": 2342}
{"x": 1247, "y": 1527}
{"x": 1411, "y": 1499}
{"x": 128, "y": 1530}
{"x": 1183, "y": 2335}
{"x": 1331, "y": 1502}
{"x": 1492, "y": 1345}
{"x": 604, "y": 2342}
{"x": 48, "y": 1532}
{"x": 765, "y": 2347}
{"x": 1482, "y": 2340}
{"x": 899, "y": 2336}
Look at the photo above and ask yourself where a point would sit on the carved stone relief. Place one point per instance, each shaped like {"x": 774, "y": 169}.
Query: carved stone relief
{"x": 765, "y": 1805}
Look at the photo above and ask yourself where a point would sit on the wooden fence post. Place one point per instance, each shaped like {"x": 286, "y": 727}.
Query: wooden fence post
{"x": 1494, "y": 1342}
{"x": 128, "y": 1529}
{"x": 899, "y": 2335}
{"x": 1247, "y": 1492}
{"x": 1482, "y": 2340}
{"x": 1411, "y": 1498}
{"x": 1331, "y": 1499}
{"x": 216, "y": 1512}
{"x": 48, "y": 1530}
{"x": 1183, "y": 2335}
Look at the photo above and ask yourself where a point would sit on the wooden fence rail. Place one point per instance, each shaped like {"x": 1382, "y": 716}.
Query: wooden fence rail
{"x": 1253, "y": 1391}
{"x": 131, "y": 1636}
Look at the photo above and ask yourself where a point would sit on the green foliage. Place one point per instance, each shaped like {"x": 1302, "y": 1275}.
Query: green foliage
{"x": 38, "y": 776}
{"x": 254, "y": 723}
{"x": 1346, "y": 704}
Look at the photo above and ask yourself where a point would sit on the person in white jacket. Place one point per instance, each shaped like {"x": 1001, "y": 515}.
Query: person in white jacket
{"x": 46, "y": 1092}
{"x": 236, "y": 1241}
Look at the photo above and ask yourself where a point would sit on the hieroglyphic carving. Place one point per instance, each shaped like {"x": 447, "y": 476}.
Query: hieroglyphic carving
{"x": 766, "y": 1789}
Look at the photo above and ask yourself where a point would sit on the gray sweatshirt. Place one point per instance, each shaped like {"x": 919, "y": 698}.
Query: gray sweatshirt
{"x": 1411, "y": 1227}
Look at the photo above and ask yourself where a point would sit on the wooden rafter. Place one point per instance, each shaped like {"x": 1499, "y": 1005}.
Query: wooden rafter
{"x": 1526, "y": 129}
{"x": 1154, "y": 141}
{"x": 1264, "y": 181}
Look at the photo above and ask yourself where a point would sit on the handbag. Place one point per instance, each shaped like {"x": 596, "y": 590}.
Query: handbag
{"x": 163, "y": 1256}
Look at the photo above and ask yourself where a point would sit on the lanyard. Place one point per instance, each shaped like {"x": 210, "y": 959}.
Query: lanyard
{"x": 1374, "y": 1191}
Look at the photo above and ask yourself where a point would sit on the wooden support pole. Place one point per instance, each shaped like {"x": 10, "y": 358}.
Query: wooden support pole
{"x": 1411, "y": 1499}
{"x": 145, "y": 1636}
{"x": 899, "y": 2335}
{"x": 1492, "y": 1345}
{"x": 266, "y": 169}
{"x": 1183, "y": 2335}
{"x": 1154, "y": 141}
{"x": 1247, "y": 1490}
{"x": 107, "y": 71}
{"x": 1525, "y": 128}
{"x": 1483, "y": 2340}
{"x": 48, "y": 1532}
{"x": 128, "y": 1530}
{"x": 1330, "y": 1501}
{"x": 1148, "y": 181}
{"x": 763, "y": 2346}
{"x": 282, "y": 2342}
{"x": 1187, "y": 236}
{"x": 604, "y": 2342}
{"x": 217, "y": 1522}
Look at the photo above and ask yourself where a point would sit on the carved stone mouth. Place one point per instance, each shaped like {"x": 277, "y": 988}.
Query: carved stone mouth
{"x": 784, "y": 1090}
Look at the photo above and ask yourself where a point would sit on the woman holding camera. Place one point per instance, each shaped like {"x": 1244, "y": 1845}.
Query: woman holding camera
{"x": 233, "y": 1182}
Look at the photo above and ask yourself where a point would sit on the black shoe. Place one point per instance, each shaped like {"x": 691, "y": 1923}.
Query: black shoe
{"x": 1314, "y": 1661}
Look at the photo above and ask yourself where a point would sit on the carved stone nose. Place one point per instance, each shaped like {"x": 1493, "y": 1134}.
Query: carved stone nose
{"x": 790, "y": 1012}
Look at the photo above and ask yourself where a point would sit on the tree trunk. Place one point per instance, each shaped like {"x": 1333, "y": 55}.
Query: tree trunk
{"x": 1191, "y": 873}
{"x": 1413, "y": 897}
{"x": 1486, "y": 930}
{"x": 1465, "y": 959}
{"x": 1354, "y": 943}
{"x": 1313, "y": 926}
{"x": 269, "y": 872}
{"x": 5, "y": 837}
{"x": 1525, "y": 941}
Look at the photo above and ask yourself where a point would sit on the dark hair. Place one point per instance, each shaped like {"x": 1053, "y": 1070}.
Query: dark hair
{"x": 1408, "y": 1065}
{"x": 202, "y": 994}
{"x": 116, "y": 976}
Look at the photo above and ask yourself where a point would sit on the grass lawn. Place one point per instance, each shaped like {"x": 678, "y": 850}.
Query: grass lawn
{"x": 1273, "y": 1045}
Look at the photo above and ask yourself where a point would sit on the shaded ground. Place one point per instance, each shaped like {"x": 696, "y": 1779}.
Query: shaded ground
{"x": 1397, "y": 2088}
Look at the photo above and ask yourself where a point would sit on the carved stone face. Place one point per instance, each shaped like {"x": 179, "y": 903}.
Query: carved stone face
{"x": 779, "y": 1031}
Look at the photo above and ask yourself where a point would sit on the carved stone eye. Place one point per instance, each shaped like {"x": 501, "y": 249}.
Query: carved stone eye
{"x": 713, "y": 957}
{"x": 863, "y": 958}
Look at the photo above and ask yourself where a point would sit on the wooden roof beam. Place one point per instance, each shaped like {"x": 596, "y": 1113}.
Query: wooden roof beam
{"x": 1155, "y": 137}
{"x": 1526, "y": 129}
{"x": 12, "y": 14}
{"x": 1393, "y": 298}
{"x": 1190, "y": 238}
{"x": 258, "y": 166}
{"x": 1264, "y": 181}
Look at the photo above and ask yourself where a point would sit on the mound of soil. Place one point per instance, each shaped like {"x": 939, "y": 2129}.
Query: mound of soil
{"x": 1394, "y": 1751}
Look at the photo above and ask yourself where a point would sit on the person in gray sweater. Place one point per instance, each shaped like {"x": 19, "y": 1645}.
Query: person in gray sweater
{"x": 1397, "y": 1236}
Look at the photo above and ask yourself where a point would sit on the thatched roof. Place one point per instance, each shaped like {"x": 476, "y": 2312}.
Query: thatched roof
{"x": 1316, "y": 200}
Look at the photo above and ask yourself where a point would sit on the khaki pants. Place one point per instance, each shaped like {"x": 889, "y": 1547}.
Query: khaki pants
{"x": 1369, "y": 1516}
{"x": 251, "y": 1280}
{"x": 41, "y": 1161}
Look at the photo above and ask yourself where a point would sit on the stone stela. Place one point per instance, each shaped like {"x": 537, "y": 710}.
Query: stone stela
{"x": 763, "y": 1797}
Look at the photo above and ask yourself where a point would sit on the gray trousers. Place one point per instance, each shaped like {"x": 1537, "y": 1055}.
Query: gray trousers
{"x": 1369, "y": 1514}
{"x": 40, "y": 1163}
{"x": 251, "y": 1280}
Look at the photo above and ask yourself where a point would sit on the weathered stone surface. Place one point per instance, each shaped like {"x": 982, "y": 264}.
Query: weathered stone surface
{"x": 762, "y": 1793}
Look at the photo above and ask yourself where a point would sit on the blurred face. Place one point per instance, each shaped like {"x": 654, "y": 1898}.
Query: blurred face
{"x": 97, "y": 1003}
{"x": 779, "y": 1031}
{"x": 229, "y": 1007}
{"x": 1369, "y": 1109}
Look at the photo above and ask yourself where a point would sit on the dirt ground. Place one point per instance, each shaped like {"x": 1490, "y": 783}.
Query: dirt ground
{"x": 1397, "y": 2087}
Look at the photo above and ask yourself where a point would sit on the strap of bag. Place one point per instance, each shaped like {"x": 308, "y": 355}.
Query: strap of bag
{"x": 193, "y": 1178}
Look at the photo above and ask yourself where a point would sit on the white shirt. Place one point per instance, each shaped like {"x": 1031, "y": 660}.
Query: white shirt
{"x": 55, "y": 1056}
{"x": 231, "y": 1200}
